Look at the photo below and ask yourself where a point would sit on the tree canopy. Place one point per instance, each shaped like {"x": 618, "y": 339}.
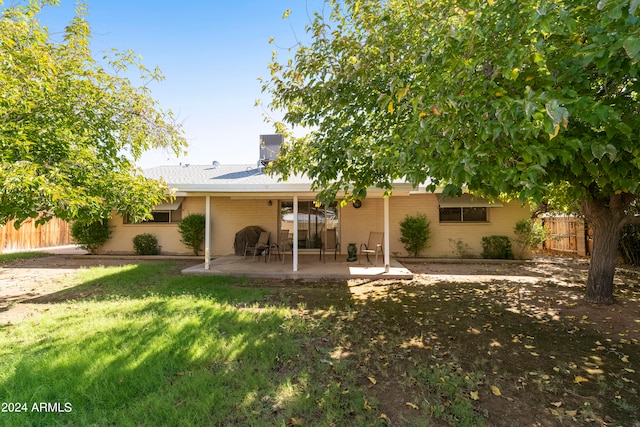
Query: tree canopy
{"x": 497, "y": 97}
{"x": 71, "y": 126}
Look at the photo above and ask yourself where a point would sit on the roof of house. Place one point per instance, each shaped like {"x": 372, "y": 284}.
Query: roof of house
{"x": 225, "y": 178}
{"x": 245, "y": 178}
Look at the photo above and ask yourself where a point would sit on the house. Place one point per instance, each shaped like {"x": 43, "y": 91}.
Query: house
{"x": 236, "y": 196}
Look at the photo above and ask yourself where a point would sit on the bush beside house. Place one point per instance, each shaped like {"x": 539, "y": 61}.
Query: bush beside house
{"x": 415, "y": 233}
{"x": 90, "y": 236}
{"x": 146, "y": 244}
{"x": 496, "y": 247}
{"x": 192, "y": 230}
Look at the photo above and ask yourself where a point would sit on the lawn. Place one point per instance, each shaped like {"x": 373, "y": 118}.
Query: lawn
{"x": 141, "y": 345}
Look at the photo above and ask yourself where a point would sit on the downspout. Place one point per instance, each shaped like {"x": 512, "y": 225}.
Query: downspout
{"x": 207, "y": 233}
{"x": 387, "y": 264}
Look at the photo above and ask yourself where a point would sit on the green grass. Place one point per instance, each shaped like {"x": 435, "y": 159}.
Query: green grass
{"x": 136, "y": 345}
{"x": 7, "y": 258}
{"x": 141, "y": 345}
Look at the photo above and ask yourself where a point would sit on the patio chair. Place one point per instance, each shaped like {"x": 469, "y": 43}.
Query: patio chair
{"x": 373, "y": 246}
{"x": 284, "y": 244}
{"x": 330, "y": 245}
{"x": 260, "y": 246}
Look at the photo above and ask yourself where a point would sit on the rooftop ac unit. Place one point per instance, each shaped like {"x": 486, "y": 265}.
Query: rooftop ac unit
{"x": 270, "y": 147}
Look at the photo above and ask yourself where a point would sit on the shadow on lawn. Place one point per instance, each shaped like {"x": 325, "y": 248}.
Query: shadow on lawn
{"x": 552, "y": 358}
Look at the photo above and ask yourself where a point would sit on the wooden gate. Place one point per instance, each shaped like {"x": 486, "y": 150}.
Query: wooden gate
{"x": 566, "y": 234}
{"x": 54, "y": 232}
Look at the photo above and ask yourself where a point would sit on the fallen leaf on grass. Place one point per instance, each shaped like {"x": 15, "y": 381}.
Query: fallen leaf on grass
{"x": 412, "y": 405}
{"x": 373, "y": 380}
{"x": 557, "y": 404}
{"x": 296, "y": 422}
{"x": 625, "y": 358}
{"x": 580, "y": 379}
{"x": 474, "y": 395}
{"x": 495, "y": 390}
{"x": 366, "y": 405}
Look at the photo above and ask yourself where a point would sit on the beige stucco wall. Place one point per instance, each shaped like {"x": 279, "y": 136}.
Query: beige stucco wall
{"x": 121, "y": 240}
{"x": 229, "y": 215}
{"x": 357, "y": 223}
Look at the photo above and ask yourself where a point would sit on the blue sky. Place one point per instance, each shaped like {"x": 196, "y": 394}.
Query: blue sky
{"x": 211, "y": 53}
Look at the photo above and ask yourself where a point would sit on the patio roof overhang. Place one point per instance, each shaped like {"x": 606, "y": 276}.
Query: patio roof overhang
{"x": 279, "y": 190}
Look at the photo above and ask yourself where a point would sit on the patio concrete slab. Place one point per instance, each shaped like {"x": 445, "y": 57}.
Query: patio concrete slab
{"x": 309, "y": 267}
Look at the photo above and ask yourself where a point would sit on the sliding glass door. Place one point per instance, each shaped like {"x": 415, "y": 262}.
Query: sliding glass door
{"x": 313, "y": 221}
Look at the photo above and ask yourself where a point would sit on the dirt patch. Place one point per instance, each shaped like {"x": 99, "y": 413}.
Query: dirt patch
{"x": 517, "y": 339}
{"x": 26, "y": 279}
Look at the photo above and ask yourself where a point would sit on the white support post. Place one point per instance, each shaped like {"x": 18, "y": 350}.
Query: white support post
{"x": 387, "y": 263}
{"x": 295, "y": 233}
{"x": 207, "y": 233}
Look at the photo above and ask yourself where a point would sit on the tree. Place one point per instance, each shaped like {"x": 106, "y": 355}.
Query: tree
{"x": 71, "y": 127}
{"x": 503, "y": 98}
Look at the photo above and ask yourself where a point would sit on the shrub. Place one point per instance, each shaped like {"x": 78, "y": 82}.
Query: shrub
{"x": 146, "y": 244}
{"x": 530, "y": 234}
{"x": 460, "y": 248}
{"x": 90, "y": 235}
{"x": 416, "y": 231}
{"x": 192, "y": 228}
{"x": 629, "y": 245}
{"x": 496, "y": 247}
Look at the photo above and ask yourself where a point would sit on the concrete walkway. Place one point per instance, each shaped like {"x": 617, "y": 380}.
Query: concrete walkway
{"x": 309, "y": 267}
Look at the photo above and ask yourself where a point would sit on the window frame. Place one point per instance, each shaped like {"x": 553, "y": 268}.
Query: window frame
{"x": 175, "y": 216}
{"x": 461, "y": 210}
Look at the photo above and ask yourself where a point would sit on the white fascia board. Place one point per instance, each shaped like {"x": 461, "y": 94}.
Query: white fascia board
{"x": 243, "y": 188}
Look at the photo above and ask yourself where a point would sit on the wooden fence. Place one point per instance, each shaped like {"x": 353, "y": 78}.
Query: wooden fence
{"x": 54, "y": 232}
{"x": 566, "y": 234}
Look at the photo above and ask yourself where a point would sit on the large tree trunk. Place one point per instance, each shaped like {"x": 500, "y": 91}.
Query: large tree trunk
{"x": 606, "y": 217}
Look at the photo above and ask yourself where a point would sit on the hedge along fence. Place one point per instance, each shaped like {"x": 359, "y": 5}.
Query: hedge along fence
{"x": 54, "y": 232}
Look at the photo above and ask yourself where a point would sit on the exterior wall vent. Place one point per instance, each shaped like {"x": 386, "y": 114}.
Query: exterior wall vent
{"x": 270, "y": 147}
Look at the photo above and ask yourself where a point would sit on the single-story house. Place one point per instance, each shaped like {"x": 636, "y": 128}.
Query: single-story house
{"x": 236, "y": 196}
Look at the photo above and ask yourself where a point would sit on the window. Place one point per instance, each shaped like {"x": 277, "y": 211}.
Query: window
{"x": 463, "y": 214}
{"x": 165, "y": 216}
{"x": 160, "y": 216}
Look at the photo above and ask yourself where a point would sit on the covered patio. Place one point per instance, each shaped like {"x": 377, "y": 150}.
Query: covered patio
{"x": 310, "y": 267}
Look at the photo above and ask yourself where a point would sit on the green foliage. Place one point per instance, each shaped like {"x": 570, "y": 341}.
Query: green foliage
{"x": 534, "y": 86}
{"x": 90, "y": 235}
{"x": 146, "y": 244}
{"x": 629, "y": 246}
{"x": 192, "y": 230}
{"x": 530, "y": 234}
{"x": 415, "y": 231}
{"x": 497, "y": 97}
{"x": 67, "y": 121}
{"x": 460, "y": 248}
{"x": 496, "y": 247}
